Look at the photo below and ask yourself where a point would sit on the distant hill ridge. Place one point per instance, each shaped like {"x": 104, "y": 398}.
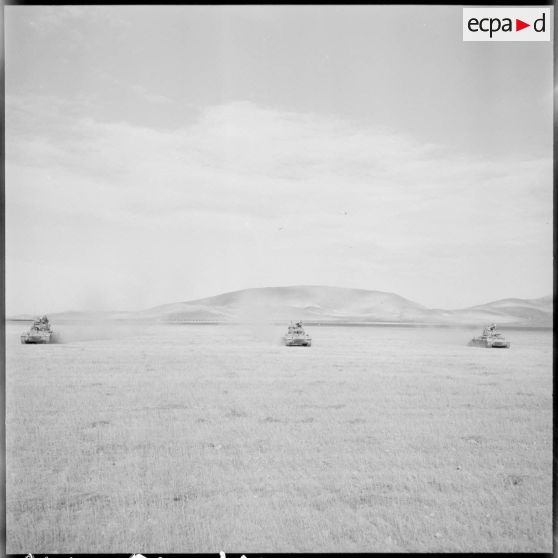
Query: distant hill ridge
{"x": 338, "y": 304}
{"x": 315, "y": 303}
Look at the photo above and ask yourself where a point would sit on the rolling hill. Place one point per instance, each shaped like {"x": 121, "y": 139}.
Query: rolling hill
{"x": 336, "y": 304}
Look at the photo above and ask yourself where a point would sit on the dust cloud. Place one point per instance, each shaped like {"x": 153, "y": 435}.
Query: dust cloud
{"x": 68, "y": 331}
{"x": 262, "y": 320}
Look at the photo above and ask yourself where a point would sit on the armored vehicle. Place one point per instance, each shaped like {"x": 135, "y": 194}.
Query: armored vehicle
{"x": 296, "y": 336}
{"x": 490, "y": 339}
{"x": 39, "y": 332}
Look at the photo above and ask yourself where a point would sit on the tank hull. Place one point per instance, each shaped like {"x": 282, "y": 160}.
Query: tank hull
{"x": 291, "y": 341}
{"x": 488, "y": 343}
{"x": 36, "y": 338}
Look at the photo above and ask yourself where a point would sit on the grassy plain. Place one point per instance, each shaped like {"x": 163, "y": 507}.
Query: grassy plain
{"x": 209, "y": 438}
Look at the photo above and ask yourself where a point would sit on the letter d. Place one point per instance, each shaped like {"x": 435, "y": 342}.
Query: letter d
{"x": 537, "y": 21}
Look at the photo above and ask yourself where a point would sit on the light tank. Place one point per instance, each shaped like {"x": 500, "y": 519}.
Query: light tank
{"x": 490, "y": 339}
{"x": 297, "y": 337}
{"x": 39, "y": 333}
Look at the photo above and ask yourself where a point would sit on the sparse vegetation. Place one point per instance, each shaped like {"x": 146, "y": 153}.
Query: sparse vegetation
{"x": 208, "y": 438}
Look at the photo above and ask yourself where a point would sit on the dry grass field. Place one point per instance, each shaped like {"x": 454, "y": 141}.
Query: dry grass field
{"x": 208, "y": 438}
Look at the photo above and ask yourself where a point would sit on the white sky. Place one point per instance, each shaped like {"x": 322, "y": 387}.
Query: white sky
{"x": 161, "y": 154}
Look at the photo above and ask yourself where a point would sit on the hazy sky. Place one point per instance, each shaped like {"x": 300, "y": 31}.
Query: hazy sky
{"x": 161, "y": 154}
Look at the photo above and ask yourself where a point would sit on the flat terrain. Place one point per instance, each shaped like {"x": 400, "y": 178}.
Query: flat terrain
{"x": 206, "y": 438}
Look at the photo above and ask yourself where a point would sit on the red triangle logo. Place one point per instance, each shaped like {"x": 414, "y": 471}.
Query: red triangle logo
{"x": 519, "y": 25}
